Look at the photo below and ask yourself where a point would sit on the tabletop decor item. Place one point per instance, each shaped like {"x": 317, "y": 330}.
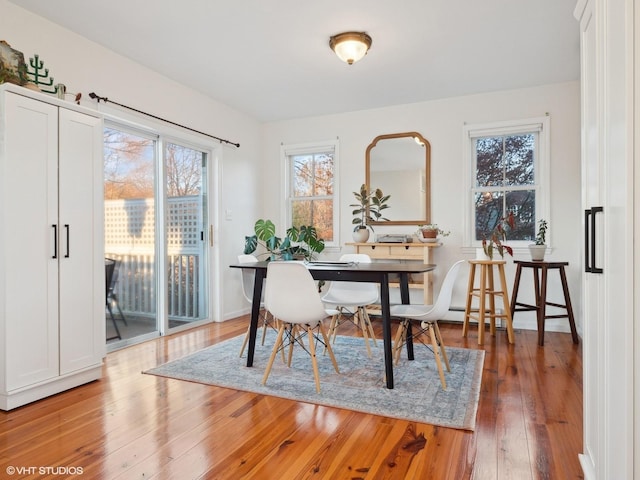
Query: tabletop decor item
{"x": 12, "y": 66}
{"x": 538, "y": 249}
{"x": 430, "y": 232}
{"x": 39, "y": 75}
{"x": 369, "y": 208}
{"x": 302, "y": 242}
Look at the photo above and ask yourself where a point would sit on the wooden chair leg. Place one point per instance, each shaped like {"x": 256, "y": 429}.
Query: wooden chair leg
{"x": 292, "y": 340}
{"x": 265, "y": 321}
{"x": 328, "y": 348}
{"x": 436, "y": 329}
{"x": 398, "y": 341}
{"x": 244, "y": 342}
{"x": 274, "y": 352}
{"x": 369, "y": 326}
{"x": 363, "y": 326}
{"x": 436, "y": 353}
{"x": 314, "y": 360}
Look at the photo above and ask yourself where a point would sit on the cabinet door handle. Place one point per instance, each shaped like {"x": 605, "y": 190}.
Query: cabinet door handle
{"x": 587, "y": 244}
{"x": 594, "y": 210}
{"x": 55, "y": 241}
{"x": 66, "y": 227}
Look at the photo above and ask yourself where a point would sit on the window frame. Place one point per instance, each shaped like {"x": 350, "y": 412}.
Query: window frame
{"x": 289, "y": 150}
{"x": 162, "y": 134}
{"x": 541, "y": 185}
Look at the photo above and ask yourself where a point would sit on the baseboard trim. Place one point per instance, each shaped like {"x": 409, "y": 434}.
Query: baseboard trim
{"x": 587, "y": 467}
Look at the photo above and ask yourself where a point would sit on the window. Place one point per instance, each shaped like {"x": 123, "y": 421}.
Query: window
{"x": 311, "y": 198}
{"x": 507, "y": 169}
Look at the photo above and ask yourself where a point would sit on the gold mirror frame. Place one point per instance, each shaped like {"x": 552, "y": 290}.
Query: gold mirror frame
{"x": 426, "y": 182}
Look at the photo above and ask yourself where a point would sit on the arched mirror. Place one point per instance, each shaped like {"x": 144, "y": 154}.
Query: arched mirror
{"x": 400, "y": 165}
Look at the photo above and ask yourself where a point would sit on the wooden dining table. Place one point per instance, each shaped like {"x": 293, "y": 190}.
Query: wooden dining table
{"x": 382, "y": 273}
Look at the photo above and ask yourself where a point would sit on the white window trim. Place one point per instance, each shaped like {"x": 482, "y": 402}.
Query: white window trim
{"x": 311, "y": 147}
{"x": 542, "y": 168}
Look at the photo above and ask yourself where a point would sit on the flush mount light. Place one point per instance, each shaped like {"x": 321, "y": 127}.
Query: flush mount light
{"x": 350, "y": 46}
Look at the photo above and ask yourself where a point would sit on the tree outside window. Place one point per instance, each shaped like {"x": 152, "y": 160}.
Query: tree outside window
{"x": 311, "y": 190}
{"x": 505, "y": 183}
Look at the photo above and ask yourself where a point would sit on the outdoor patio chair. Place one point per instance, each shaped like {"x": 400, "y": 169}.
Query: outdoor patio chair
{"x": 112, "y": 297}
{"x": 109, "y": 267}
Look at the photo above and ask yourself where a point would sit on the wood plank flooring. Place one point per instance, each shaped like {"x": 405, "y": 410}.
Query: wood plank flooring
{"x": 134, "y": 426}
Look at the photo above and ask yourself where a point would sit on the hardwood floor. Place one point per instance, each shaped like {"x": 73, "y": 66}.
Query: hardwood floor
{"x": 134, "y": 426}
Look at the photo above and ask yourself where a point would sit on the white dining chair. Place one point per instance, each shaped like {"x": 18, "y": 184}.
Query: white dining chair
{"x": 350, "y": 300}
{"x": 427, "y": 317}
{"x": 292, "y": 297}
{"x": 248, "y": 277}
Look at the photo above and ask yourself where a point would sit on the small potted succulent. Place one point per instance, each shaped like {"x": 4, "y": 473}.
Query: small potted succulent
{"x": 538, "y": 249}
{"x": 430, "y": 232}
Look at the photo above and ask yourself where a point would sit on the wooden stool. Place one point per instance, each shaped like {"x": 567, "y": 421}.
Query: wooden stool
{"x": 540, "y": 285}
{"x": 487, "y": 289}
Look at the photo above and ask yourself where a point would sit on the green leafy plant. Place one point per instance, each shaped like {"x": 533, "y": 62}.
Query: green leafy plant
{"x": 302, "y": 242}
{"x": 369, "y": 207}
{"x": 494, "y": 243}
{"x": 432, "y": 230}
{"x": 541, "y": 237}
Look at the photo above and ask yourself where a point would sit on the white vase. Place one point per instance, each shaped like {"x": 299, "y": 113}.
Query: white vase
{"x": 361, "y": 235}
{"x": 537, "y": 252}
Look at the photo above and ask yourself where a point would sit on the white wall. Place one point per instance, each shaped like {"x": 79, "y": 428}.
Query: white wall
{"x": 84, "y": 66}
{"x": 250, "y": 180}
{"x": 441, "y": 122}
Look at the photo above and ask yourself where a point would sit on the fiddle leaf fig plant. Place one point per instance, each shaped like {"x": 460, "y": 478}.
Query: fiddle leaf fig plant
{"x": 302, "y": 242}
{"x": 369, "y": 208}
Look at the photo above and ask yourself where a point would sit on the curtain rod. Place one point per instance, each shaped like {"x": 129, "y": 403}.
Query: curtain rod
{"x": 105, "y": 100}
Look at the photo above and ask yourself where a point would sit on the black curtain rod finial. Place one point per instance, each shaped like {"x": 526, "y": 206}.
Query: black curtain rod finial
{"x": 105, "y": 100}
{"x": 94, "y": 96}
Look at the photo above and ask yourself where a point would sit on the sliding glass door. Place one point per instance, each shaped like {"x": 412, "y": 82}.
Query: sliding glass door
{"x": 185, "y": 169}
{"x": 155, "y": 217}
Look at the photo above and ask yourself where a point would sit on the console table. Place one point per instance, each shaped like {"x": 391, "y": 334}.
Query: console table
{"x": 417, "y": 251}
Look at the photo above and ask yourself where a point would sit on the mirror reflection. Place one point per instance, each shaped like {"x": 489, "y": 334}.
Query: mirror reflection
{"x": 399, "y": 164}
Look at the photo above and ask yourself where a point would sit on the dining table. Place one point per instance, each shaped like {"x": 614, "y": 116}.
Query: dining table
{"x": 382, "y": 273}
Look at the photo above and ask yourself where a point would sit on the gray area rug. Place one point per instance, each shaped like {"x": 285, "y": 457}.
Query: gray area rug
{"x": 360, "y": 386}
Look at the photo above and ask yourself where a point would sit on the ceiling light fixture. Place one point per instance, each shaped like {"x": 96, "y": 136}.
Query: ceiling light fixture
{"x": 350, "y": 46}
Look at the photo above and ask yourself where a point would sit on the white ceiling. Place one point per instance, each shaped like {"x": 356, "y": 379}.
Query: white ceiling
{"x": 271, "y": 59}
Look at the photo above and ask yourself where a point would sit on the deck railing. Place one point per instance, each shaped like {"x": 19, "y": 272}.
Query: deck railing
{"x": 130, "y": 240}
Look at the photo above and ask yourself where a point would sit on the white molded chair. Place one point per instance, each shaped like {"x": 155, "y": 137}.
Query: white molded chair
{"x": 352, "y": 298}
{"x": 428, "y": 316}
{"x": 292, "y": 297}
{"x": 248, "y": 277}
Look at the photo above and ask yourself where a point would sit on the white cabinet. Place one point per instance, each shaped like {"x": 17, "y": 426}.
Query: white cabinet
{"x": 52, "y": 293}
{"x": 608, "y": 57}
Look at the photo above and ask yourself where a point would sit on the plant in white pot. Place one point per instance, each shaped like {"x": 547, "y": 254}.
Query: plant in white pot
{"x": 538, "y": 249}
{"x": 369, "y": 209}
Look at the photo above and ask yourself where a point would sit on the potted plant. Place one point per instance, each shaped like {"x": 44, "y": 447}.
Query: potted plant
{"x": 369, "y": 209}
{"x": 300, "y": 242}
{"x": 498, "y": 235}
{"x": 430, "y": 232}
{"x": 538, "y": 249}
